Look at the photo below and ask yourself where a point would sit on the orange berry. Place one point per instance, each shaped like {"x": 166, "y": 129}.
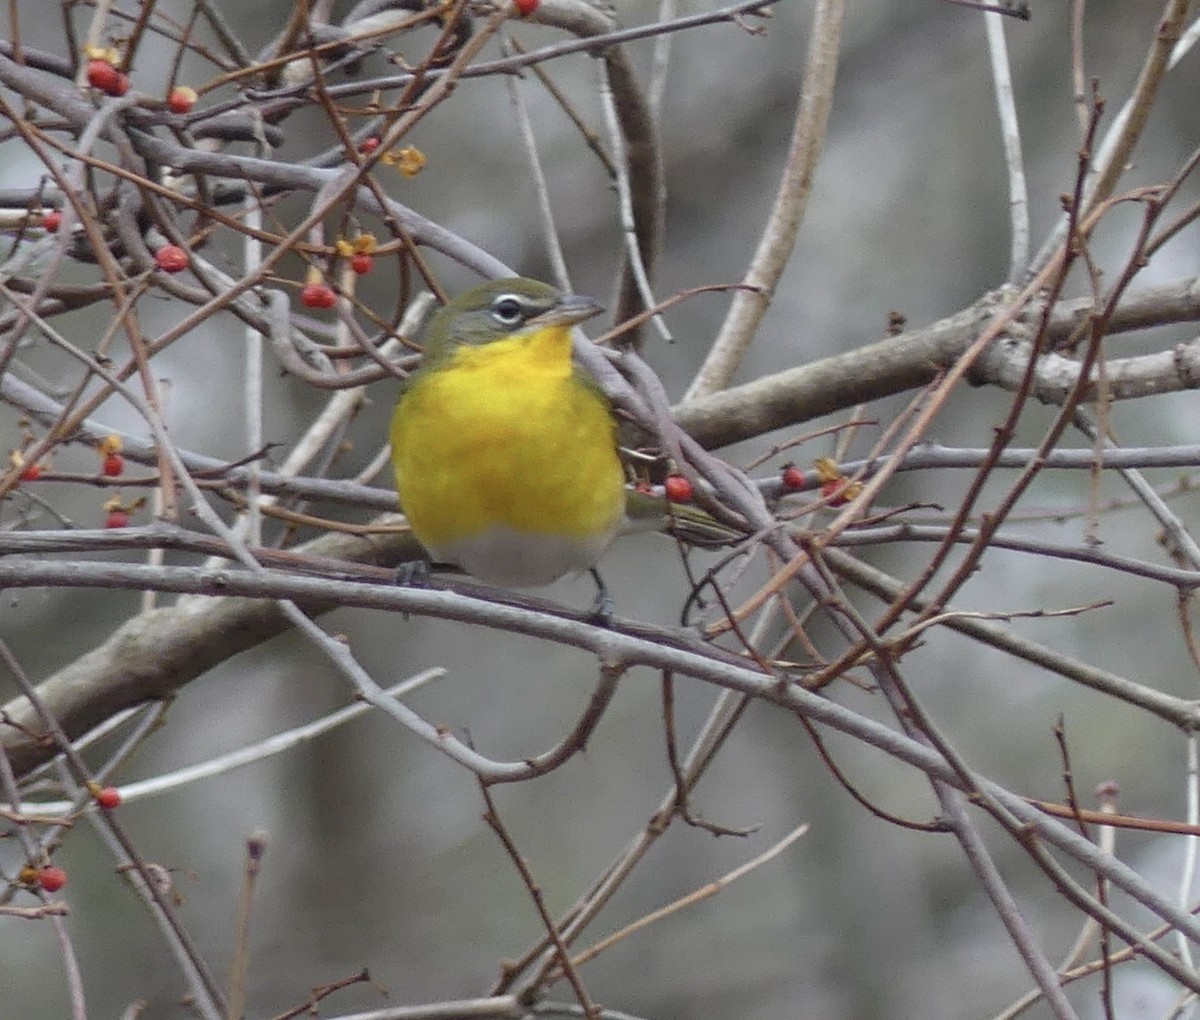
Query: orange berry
{"x": 170, "y": 258}
{"x": 317, "y": 295}
{"x": 678, "y": 489}
{"x": 181, "y": 99}
{"x": 52, "y": 878}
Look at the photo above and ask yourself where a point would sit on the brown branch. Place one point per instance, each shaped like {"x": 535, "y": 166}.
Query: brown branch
{"x": 902, "y": 363}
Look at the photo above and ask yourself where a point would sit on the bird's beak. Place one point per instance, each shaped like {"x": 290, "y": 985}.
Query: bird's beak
{"x": 568, "y": 310}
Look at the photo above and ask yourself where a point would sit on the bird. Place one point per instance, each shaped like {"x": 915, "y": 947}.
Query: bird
{"x": 505, "y": 449}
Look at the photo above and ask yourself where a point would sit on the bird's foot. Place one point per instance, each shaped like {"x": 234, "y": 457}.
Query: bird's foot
{"x": 603, "y": 611}
{"x": 413, "y": 573}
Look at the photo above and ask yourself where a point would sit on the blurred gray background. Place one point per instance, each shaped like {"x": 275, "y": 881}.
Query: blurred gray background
{"x": 378, "y": 856}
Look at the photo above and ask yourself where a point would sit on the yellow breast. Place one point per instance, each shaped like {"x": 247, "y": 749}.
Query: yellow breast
{"x": 506, "y": 461}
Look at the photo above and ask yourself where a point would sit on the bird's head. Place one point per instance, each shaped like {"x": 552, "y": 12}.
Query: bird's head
{"x": 503, "y": 308}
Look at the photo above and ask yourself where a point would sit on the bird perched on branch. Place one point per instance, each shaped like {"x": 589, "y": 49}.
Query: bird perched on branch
{"x": 505, "y": 449}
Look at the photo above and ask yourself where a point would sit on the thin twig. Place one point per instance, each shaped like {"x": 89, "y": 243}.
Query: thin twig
{"x": 783, "y": 223}
{"x": 1010, "y": 131}
{"x": 551, "y": 241}
{"x": 569, "y": 968}
{"x": 691, "y": 899}
{"x": 256, "y": 846}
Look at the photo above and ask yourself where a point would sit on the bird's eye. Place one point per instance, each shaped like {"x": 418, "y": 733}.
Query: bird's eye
{"x": 508, "y": 310}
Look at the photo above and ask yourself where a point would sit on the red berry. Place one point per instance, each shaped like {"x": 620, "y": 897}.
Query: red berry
{"x": 108, "y": 797}
{"x": 526, "y": 6}
{"x": 362, "y": 263}
{"x": 834, "y": 491}
{"x": 31, "y": 473}
{"x": 51, "y": 220}
{"x": 52, "y": 878}
{"x": 368, "y": 144}
{"x": 113, "y": 465}
{"x": 793, "y": 478}
{"x": 317, "y": 295}
{"x": 170, "y": 258}
{"x": 678, "y": 489}
{"x": 181, "y": 99}
{"x": 102, "y": 75}
{"x": 117, "y": 519}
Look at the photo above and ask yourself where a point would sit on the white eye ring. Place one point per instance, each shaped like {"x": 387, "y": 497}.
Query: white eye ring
{"x": 507, "y": 309}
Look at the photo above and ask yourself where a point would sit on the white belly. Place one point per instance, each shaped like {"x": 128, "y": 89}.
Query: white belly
{"x": 518, "y": 559}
